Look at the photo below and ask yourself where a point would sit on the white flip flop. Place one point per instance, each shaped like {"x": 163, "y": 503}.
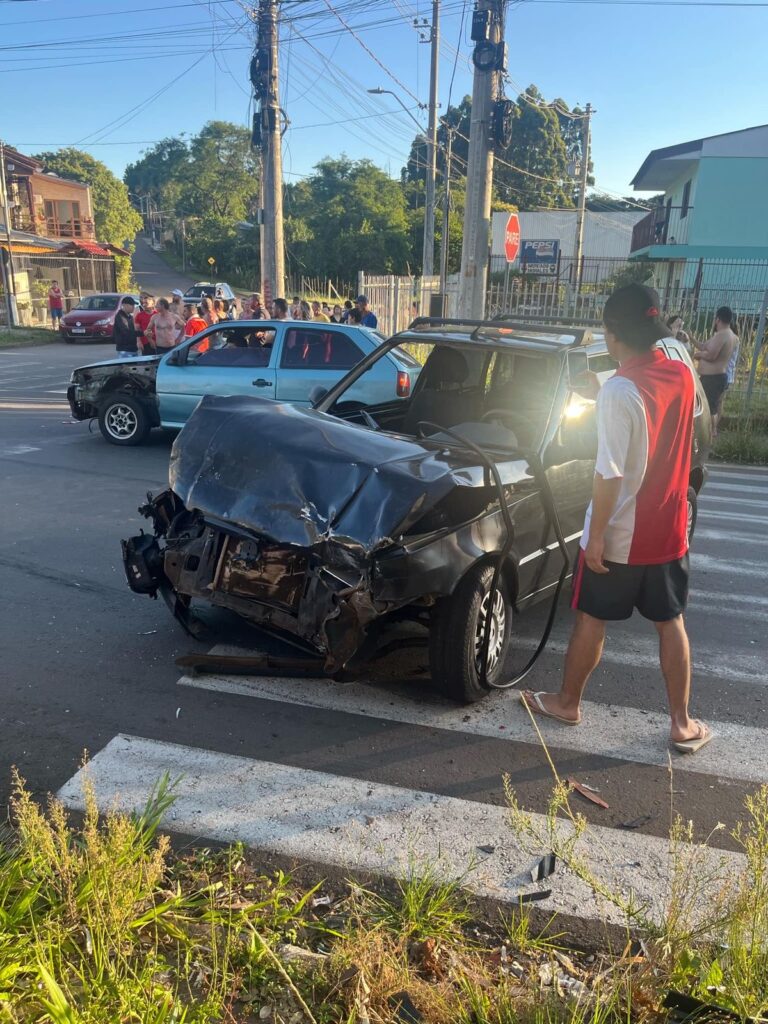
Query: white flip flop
{"x": 537, "y": 708}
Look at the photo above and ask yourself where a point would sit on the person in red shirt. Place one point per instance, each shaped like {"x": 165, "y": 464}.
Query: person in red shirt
{"x": 141, "y": 319}
{"x": 55, "y": 304}
{"x": 634, "y": 548}
{"x": 195, "y": 322}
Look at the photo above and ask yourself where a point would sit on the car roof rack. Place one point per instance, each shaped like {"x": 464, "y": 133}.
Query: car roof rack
{"x": 500, "y": 325}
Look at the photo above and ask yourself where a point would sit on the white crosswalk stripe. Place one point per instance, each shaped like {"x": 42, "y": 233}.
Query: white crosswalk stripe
{"x": 616, "y": 732}
{"x": 356, "y": 824}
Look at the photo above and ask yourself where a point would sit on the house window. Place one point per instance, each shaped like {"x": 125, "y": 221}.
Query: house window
{"x": 686, "y": 200}
{"x": 62, "y": 219}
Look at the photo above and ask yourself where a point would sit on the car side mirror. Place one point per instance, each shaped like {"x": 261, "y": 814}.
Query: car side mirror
{"x": 317, "y": 394}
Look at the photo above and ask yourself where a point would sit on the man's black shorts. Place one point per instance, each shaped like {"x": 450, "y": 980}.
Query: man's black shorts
{"x": 659, "y": 592}
{"x": 715, "y": 386}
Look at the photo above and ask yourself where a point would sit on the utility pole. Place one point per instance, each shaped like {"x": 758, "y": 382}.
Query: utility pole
{"x": 428, "y": 258}
{"x": 264, "y": 77}
{"x": 585, "y": 146}
{"x": 488, "y": 60}
{"x": 445, "y": 239}
{"x": 9, "y": 280}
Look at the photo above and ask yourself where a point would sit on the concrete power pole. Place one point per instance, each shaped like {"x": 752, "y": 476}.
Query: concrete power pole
{"x": 428, "y": 258}
{"x": 585, "y": 146}
{"x": 488, "y": 61}
{"x": 264, "y": 76}
{"x": 445, "y": 240}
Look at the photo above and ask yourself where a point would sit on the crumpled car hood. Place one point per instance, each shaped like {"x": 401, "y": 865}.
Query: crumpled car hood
{"x": 303, "y": 477}
{"x": 141, "y": 365}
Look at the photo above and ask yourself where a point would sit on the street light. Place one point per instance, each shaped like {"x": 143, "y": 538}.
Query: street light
{"x": 388, "y": 92}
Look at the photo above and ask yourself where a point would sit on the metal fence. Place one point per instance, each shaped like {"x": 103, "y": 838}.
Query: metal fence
{"x": 396, "y": 300}
{"x": 77, "y": 276}
{"x": 694, "y": 289}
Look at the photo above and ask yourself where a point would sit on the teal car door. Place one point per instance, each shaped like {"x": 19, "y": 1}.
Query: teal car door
{"x": 315, "y": 354}
{"x": 234, "y": 359}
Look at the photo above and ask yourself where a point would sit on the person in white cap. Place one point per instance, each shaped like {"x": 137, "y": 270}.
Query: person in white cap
{"x": 177, "y": 302}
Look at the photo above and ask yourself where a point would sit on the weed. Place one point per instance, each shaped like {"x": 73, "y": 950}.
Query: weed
{"x": 426, "y": 905}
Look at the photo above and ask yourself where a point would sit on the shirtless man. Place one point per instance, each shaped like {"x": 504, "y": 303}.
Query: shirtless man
{"x": 165, "y": 328}
{"x": 714, "y": 356}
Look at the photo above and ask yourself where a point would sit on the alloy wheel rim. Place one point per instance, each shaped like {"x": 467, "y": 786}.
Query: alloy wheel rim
{"x": 498, "y": 629}
{"x": 689, "y": 519}
{"x": 121, "y": 421}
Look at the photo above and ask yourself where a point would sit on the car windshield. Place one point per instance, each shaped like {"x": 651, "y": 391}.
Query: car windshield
{"x": 198, "y": 291}
{"x": 99, "y": 303}
{"x": 494, "y": 397}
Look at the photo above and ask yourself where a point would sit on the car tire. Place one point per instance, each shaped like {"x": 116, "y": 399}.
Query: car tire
{"x": 123, "y": 420}
{"x": 456, "y": 630}
{"x": 693, "y": 511}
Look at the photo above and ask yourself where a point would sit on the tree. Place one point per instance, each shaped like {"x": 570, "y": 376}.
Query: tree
{"x": 159, "y": 166}
{"x": 538, "y": 153}
{"x": 348, "y": 215}
{"x": 539, "y": 175}
{"x": 116, "y": 221}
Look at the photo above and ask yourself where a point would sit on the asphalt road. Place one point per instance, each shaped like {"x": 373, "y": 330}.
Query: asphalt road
{"x": 84, "y": 660}
{"x": 153, "y": 274}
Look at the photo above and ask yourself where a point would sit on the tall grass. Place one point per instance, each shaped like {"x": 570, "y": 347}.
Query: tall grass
{"x": 96, "y": 928}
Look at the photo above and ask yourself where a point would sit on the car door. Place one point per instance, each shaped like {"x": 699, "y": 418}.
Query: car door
{"x": 569, "y": 460}
{"x": 313, "y": 355}
{"x": 227, "y": 360}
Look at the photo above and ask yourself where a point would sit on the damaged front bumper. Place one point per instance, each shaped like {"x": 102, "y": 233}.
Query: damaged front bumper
{"x": 324, "y": 596}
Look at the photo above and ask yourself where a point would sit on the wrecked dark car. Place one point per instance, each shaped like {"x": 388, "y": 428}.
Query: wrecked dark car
{"x": 458, "y": 506}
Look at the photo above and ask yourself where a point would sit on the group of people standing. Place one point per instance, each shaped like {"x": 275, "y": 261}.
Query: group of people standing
{"x": 715, "y": 358}
{"x": 356, "y": 314}
{"x": 159, "y": 324}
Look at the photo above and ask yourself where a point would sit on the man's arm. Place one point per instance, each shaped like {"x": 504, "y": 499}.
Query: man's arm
{"x": 605, "y": 494}
{"x": 710, "y": 350}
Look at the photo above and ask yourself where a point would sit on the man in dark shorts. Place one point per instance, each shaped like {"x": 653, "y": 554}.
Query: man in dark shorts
{"x": 714, "y": 355}
{"x": 634, "y": 549}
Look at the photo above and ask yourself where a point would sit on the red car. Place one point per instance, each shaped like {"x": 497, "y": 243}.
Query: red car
{"x": 93, "y": 317}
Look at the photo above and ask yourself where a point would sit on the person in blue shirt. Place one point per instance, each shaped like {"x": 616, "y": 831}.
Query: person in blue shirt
{"x": 368, "y": 317}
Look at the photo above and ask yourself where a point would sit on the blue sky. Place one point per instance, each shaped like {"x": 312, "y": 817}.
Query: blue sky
{"x": 656, "y": 75}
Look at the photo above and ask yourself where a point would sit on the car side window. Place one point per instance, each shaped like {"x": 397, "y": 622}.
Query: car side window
{"x": 318, "y": 350}
{"x": 232, "y": 346}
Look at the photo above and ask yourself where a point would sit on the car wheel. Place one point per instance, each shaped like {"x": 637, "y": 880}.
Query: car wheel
{"x": 693, "y": 506}
{"x": 457, "y": 629}
{"x": 123, "y": 420}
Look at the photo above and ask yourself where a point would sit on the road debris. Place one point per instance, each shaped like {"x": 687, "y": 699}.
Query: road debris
{"x": 544, "y": 868}
{"x": 587, "y": 792}
{"x": 637, "y": 822}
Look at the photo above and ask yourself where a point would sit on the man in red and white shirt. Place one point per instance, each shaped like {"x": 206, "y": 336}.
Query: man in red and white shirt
{"x": 634, "y": 549}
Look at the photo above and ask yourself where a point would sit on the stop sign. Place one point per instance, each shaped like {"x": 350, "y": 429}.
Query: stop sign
{"x": 512, "y": 238}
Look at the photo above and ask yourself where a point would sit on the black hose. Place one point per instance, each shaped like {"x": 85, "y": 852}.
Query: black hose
{"x": 548, "y": 501}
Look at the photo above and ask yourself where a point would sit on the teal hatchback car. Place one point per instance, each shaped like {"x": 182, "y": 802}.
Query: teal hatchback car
{"x": 285, "y": 360}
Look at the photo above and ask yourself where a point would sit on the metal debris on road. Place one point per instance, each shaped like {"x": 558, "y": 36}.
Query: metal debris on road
{"x": 545, "y": 867}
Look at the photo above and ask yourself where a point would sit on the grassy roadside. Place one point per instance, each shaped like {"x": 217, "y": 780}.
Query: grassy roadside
{"x": 27, "y": 337}
{"x": 103, "y": 923}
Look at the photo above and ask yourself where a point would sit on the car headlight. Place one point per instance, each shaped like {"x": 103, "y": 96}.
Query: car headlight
{"x": 102, "y": 323}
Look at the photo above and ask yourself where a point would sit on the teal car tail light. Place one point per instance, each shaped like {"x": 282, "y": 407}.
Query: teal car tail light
{"x": 403, "y": 384}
